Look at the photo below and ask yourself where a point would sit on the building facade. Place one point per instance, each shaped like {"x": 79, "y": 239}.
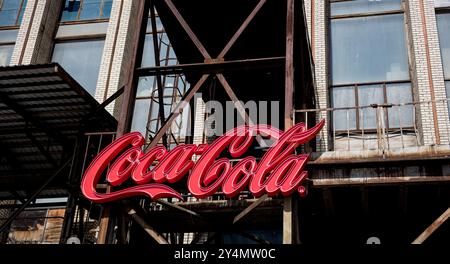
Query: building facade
{"x": 378, "y": 73}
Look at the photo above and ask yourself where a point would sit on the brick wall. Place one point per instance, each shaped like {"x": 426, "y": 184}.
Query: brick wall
{"x": 424, "y": 58}
{"x": 34, "y": 42}
{"x": 319, "y": 48}
{"x": 117, "y": 52}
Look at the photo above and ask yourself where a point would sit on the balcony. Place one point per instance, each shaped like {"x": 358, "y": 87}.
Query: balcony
{"x": 377, "y": 130}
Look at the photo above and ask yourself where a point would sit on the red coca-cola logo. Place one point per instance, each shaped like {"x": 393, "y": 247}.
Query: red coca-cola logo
{"x": 278, "y": 171}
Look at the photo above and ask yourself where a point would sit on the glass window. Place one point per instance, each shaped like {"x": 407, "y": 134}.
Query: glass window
{"x": 5, "y": 54}
{"x": 140, "y": 116}
{"x": 447, "y": 89}
{"x": 344, "y": 97}
{"x": 81, "y": 59}
{"x": 11, "y": 12}
{"x": 148, "y": 58}
{"x": 146, "y": 86}
{"x": 443, "y": 22}
{"x": 368, "y": 49}
{"x": 400, "y": 116}
{"x": 146, "y": 118}
{"x": 369, "y": 64}
{"x": 86, "y": 10}
{"x": 364, "y": 6}
{"x": 441, "y": 3}
{"x": 368, "y": 95}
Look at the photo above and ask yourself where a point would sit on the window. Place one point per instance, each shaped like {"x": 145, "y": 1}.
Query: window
{"x": 82, "y": 60}
{"x": 441, "y": 3}
{"x": 11, "y": 12}
{"x": 443, "y": 23}
{"x": 75, "y": 10}
{"x": 369, "y": 64}
{"x": 5, "y": 54}
{"x": 7, "y": 41}
{"x": 146, "y": 113}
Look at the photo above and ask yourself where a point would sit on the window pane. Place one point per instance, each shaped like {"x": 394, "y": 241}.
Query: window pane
{"x": 159, "y": 26}
{"x": 9, "y": 12}
{"x": 82, "y": 60}
{"x": 87, "y": 9}
{"x": 367, "y": 95}
{"x": 24, "y": 5}
{"x": 107, "y": 6}
{"x": 368, "y": 49}
{"x": 441, "y": 3}
{"x": 146, "y": 86}
{"x": 344, "y": 97}
{"x": 443, "y": 21}
{"x": 364, "y": 6}
{"x": 70, "y": 11}
{"x": 140, "y": 116}
{"x": 447, "y": 89}
{"x": 5, "y": 54}
{"x": 90, "y": 9}
{"x": 400, "y": 94}
{"x": 148, "y": 58}
{"x": 8, "y": 35}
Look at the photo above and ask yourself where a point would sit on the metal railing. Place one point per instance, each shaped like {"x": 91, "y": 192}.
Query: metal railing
{"x": 375, "y": 127}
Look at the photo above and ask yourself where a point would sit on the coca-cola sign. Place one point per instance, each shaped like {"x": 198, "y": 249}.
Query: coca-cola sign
{"x": 279, "y": 171}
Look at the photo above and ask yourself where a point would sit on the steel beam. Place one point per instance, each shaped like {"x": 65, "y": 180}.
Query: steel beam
{"x": 242, "y": 28}
{"x": 288, "y": 111}
{"x": 129, "y": 98}
{"x": 156, "y": 53}
{"x": 188, "y": 29}
{"x": 150, "y": 230}
{"x": 179, "y": 208}
{"x": 432, "y": 228}
{"x": 177, "y": 111}
{"x": 250, "y": 208}
{"x": 214, "y": 67}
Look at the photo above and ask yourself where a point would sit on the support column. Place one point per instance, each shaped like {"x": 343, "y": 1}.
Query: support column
{"x": 319, "y": 44}
{"x": 433, "y": 117}
{"x": 288, "y": 110}
{"x": 115, "y": 64}
{"x": 37, "y": 30}
{"x": 133, "y": 21}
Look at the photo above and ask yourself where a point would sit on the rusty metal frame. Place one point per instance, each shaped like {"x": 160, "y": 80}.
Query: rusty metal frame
{"x": 210, "y": 63}
{"x": 433, "y": 227}
{"x": 289, "y": 209}
{"x": 208, "y": 60}
{"x": 157, "y": 52}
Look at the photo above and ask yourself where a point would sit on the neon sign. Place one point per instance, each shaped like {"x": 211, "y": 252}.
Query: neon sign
{"x": 279, "y": 171}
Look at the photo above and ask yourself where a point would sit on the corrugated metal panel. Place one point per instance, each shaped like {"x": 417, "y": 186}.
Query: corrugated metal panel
{"x": 41, "y": 110}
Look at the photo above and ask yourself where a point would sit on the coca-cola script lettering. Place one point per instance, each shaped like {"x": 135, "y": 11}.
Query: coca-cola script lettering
{"x": 278, "y": 171}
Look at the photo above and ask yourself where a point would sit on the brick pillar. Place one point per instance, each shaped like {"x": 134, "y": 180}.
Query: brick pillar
{"x": 307, "y": 11}
{"x": 427, "y": 67}
{"x": 319, "y": 47}
{"x": 117, "y": 52}
{"x": 36, "y": 33}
